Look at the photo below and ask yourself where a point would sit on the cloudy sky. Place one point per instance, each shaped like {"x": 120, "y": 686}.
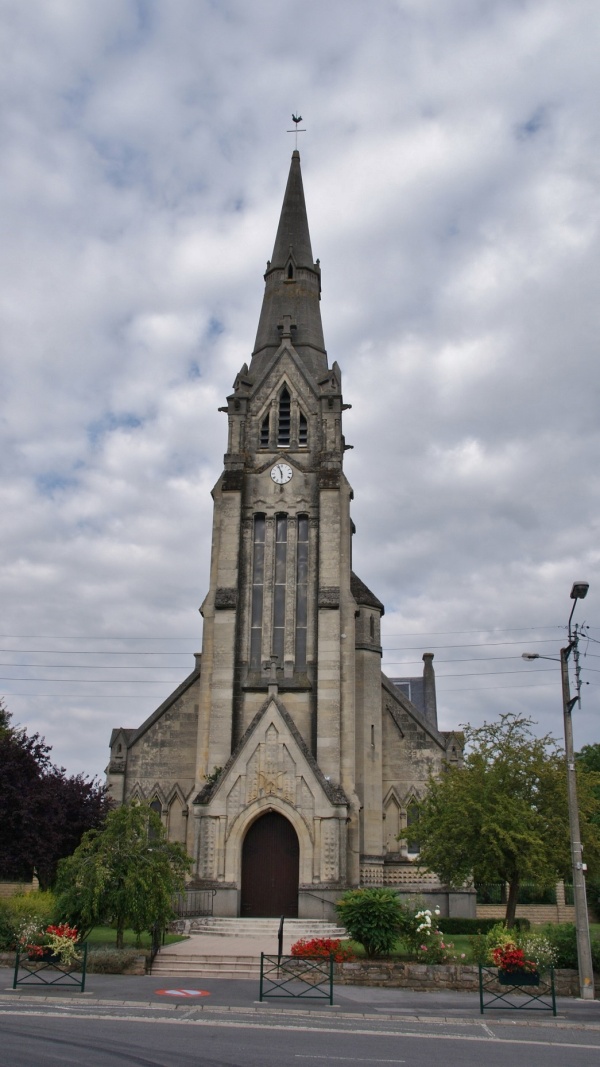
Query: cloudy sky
{"x": 451, "y": 170}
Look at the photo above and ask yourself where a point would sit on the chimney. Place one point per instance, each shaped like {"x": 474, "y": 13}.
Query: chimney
{"x": 429, "y": 697}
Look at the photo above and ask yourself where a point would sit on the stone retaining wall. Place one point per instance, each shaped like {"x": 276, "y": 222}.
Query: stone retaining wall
{"x": 429, "y": 978}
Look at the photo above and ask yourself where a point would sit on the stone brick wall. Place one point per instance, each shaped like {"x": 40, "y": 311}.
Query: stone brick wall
{"x": 8, "y": 889}
{"x": 406, "y": 975}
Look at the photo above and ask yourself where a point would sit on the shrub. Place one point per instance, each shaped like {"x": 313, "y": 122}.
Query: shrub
{"x": 563, "y": 938}
{"x": 475, "y": 926}
{"x": 111, "y": 960}
{"x": 7, "y": 928}
{"x": 22, "y": 911}
{"x": 323, "y": 948}
{"x": 373, "y": 917}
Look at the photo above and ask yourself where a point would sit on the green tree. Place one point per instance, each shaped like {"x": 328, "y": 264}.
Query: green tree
{"x": 503, "y": 816}
{"x": 126, "y": 873}
{"x": 588, "y": 774}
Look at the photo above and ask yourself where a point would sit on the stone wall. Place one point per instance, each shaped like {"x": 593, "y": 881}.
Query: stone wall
{"x": 406, "y": 975}
{"x": 9, "y": 889}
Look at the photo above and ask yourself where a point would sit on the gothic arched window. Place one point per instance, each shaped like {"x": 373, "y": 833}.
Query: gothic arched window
{"x": 281, "y": 536}
{"x": 413, "y": 844}
{"x": 258, "y": 584}
{"x": 302, "y": 430}
{"x": 264, "y": 432}
{"x": 301, "y": 591}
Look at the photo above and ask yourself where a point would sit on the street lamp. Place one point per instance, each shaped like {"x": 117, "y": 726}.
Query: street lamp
{"x": 584, "y": 952}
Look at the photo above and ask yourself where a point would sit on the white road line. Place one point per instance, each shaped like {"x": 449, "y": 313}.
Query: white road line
{"x": 226, "y": 1023}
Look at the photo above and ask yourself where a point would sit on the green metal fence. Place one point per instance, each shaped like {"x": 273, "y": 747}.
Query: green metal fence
{"x": 49, "y": 971}
{"x": 309, "y": 978}
{"x": 529, "y": 893}
{"x": 529, "y": 992}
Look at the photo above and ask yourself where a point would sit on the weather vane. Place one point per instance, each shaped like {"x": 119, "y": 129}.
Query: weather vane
{"x": 296, "y": 119}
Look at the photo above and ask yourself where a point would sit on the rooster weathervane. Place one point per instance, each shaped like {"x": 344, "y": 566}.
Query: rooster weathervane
{"x": 296, "y": 119}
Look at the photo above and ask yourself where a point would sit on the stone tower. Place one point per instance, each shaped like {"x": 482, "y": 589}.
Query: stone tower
{"x": 286, "y": 761}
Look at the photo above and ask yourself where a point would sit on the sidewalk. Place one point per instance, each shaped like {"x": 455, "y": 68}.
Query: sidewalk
{"x": 234, "y": 994}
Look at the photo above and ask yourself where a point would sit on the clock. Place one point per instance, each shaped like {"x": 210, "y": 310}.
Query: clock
{"x": 281, "y": 473}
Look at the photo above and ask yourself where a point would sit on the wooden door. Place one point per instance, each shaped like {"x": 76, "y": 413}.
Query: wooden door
{"x": 270, "y": 868}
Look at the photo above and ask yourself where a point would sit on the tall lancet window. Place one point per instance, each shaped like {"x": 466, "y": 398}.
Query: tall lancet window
{"x": 285, "y": 419}
{"x": 281, "y": 532}
{"x": 301, "y": 591}
{"x": 302, "y": 430}
{"x": 264, "y": 432}
{"x": 258, "y": 584}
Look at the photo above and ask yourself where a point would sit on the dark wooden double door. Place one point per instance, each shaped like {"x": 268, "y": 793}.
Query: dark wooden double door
{"x": 270, "y": 868}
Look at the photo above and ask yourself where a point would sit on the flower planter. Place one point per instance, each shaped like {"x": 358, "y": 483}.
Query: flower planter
{"x": 518, "y": 978}
{"x": 47, "y": 956}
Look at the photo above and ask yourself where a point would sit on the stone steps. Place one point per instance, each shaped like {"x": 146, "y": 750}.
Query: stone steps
{"x": 205, "y": 954}
{"x": 293, "y": 929}
{"x": 199, "y": 966}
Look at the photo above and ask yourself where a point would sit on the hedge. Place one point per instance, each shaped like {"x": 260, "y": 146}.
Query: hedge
{"x": 475, "y": 926}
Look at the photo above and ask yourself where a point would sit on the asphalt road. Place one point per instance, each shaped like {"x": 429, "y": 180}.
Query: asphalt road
{"x": 96, "y": 1035}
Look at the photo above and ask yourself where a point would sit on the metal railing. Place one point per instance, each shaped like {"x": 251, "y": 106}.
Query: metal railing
{"x": 529, "y": 893}
{"x": 285, "y": 977}
{"x": 48, "y": 970}
{"x": 193, "y": 902}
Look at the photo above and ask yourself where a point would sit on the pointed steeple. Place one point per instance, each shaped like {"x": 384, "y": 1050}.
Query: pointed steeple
{"x": 292, "y": 287}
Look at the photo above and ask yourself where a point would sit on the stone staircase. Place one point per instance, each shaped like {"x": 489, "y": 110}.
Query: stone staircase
{"x": 265, "y": 929}
{"x": 231, "y": 948}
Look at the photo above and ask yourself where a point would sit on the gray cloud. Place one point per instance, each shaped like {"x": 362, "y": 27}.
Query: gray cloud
{"x": 451, "y": 175}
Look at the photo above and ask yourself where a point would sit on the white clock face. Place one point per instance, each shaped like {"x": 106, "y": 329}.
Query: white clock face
{"x": 281, "y": 473}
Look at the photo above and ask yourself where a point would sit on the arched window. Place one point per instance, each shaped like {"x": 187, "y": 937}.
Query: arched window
{"x": 413, "y": 844}
{"x": 302, "y": 430}
{"x": 258, "y": 584}
{"x": 301, "y": 591}
{"x": 281, "y": 536}
{"x": 285, "y": 415}
{"x": 290, "y": 271}
{"x": 264, "y": 432}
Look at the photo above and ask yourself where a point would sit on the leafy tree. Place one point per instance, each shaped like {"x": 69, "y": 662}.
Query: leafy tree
{"x": 503, "y": 816}
{"x": 126, "y": 873}
{"x": 43, "y": 812}
{"x": 588, "y": 767}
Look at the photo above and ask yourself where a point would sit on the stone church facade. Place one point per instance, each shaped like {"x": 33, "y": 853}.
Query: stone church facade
{"x": 286, "y": 762}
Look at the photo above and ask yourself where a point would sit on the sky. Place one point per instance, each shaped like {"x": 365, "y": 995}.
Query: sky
{"x": 451, "y": 166}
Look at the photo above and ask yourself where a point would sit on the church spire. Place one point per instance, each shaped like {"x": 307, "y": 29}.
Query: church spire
{"x": 292, "y": 287}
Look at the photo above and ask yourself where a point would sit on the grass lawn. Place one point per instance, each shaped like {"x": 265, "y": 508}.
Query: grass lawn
{"x": 106, "y": 937}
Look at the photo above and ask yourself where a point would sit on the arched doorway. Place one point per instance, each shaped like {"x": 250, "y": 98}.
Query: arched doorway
{"x": 270, "y": 868}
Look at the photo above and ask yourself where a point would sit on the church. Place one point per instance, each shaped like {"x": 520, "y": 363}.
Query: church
{"x": 286, "y": 762}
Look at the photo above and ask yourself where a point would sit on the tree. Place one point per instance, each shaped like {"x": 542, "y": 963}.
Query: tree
{"x": 503, "y": 816}
{"x": 126, "y": 873}
{"x": 588, "y": 773}
{"x": 43, "y": 813}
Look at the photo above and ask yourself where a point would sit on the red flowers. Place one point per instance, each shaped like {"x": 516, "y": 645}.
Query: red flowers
{"x": 322, "y": 947}
{"x": 511, "y": 959}
{"x": 63, "y": 930}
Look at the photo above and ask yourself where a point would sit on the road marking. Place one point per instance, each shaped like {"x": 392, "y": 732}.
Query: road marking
{"x": 182, "y": 992}
{"x": 299, "y": 1029}
{"x": 348, "y": 1059}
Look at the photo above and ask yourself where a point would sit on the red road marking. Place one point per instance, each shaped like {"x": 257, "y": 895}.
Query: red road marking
{"x": 182, "y": 992}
